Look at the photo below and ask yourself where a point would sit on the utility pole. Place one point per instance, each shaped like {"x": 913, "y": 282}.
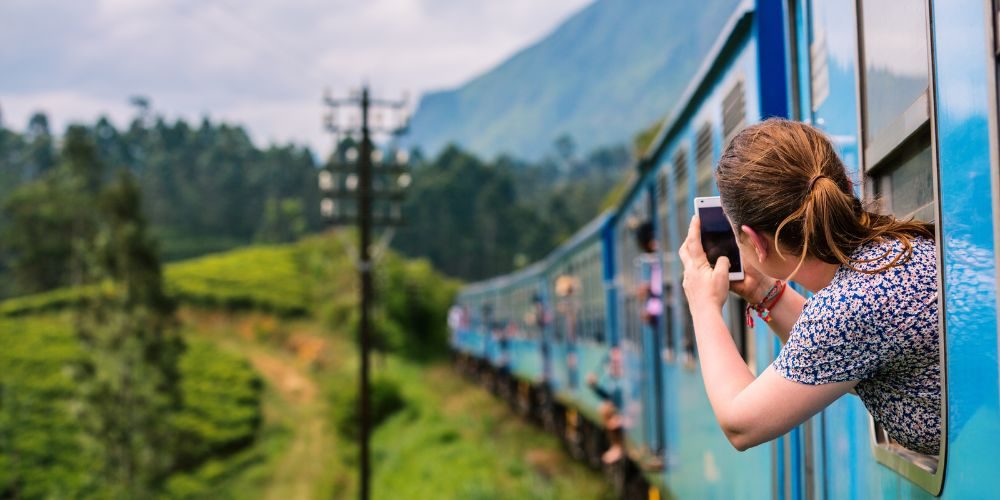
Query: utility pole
{"x": 349, "y": 178}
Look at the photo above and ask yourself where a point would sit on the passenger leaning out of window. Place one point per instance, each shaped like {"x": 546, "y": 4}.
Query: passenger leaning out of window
{"x": 870, "y": 328}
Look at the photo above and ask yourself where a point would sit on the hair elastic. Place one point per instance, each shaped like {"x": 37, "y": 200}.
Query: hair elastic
{"x": 812, "y": 182}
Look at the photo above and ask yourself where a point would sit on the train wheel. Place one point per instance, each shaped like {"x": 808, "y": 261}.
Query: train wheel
{"x": 548, "y": 411}
{"x": 636, "y": 487}
{"x": 574, "y": 433}
{"x": 595, "y": 443}
{"x": 617, "y": 474}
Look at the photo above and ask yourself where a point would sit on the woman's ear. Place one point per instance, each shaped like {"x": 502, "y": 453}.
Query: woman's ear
{"x": 759, "y": 242}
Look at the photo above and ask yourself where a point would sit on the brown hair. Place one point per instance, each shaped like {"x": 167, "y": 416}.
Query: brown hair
{"x": 784, "y": 177}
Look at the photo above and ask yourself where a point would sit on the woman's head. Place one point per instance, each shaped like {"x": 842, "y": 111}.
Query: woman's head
{"x": 783, "y": 178}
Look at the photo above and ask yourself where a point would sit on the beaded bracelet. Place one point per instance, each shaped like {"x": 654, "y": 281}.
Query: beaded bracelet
{"x": 763, "y": 308}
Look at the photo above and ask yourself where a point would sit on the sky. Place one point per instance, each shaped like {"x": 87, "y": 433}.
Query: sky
{"x": 261, "y": 63}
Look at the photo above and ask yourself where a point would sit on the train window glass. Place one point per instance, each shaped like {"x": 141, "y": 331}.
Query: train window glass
{"x": 682, "y": 218}
{"x": 908, "y": 189}
{"x": 743, "y": 336}
{"x": 703, "y": 160}
{"x": 898, "y": 159}
{"x": 733, "y": 111}
{"x": 895, "y": 79}
{"x": 682, "y": 205}
{"x": 661, "y": 186}
{"x": 819, "y": 66}
{"x": 595, "y": 291}
{"x": 585, "y": 302}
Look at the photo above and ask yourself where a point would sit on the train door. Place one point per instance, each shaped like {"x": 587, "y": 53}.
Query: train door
{"x": 630, "y": 337}
{"x": 568, "y": 288}
{"x": 649, "y": 317}
{"x": 651, "y": 311}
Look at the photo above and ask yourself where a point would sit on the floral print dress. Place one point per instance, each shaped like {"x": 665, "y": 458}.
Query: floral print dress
{"x": 880, "y": 329}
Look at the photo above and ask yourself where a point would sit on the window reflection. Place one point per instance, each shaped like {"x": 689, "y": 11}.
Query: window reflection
{"x": 895, "y": 53}
{"x": 912, "y": 186}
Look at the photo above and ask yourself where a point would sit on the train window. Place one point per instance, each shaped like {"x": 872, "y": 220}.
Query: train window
{"x": 668, "y": 253}
{"x": 898, "y": 162}
{"x": 682, "y": 205}
{"x": 703, "y": 160}
{"x": 908, "y": 188}
{"x": 661, "y": 186}
{"x": 682, "y": 219}
{"x": 734, "y": 111}
{"x": 743, "y": 335}
{"x": 894, "y": 50}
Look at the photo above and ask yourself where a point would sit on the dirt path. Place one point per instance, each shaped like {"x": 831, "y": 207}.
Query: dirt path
{"x": 303, "y": 465}
{"x": 294, "y": 401}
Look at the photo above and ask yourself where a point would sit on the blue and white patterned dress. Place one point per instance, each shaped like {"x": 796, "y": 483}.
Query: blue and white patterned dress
{"x": 881, "y": 330}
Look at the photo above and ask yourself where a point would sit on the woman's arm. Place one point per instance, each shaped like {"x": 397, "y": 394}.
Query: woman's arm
{"x": 750, "y": 411}
{"x": 785, "y": 312}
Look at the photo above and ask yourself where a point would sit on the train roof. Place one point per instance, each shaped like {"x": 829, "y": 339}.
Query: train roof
{"x": 591, "y": 229}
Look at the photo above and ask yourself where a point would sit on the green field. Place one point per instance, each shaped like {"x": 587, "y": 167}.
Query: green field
{"x": 269, "y": 384}
{"x": 40, "y": 452}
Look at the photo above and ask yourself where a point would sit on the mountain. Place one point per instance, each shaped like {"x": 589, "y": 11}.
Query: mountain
{"x": 605, "y": 73}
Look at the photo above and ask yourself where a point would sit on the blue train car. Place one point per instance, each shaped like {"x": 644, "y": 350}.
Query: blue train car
{"x": 917, "y": 123}
{"x": 579, "y": 338}
{"x": 674, "y": 438}
{"x": 907, "y": 90}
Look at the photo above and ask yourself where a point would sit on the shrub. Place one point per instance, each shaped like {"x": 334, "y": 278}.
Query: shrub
{"x": 386, "y": 399}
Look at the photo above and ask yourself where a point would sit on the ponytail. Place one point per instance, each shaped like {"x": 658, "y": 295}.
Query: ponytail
{"x": 784, "y": 177}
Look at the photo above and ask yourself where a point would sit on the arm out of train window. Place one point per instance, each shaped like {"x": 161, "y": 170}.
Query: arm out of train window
{"x": 784, "y": 313}
{"x": 750, "y": 410}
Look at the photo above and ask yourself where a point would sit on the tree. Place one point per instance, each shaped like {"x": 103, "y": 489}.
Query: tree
{"x": 284, "y": 221}
{"x": 566, "y": 149}
{"x": 128, "y": 380}
{"x": 41, "y": 154}
{"x": 47, "y": 217}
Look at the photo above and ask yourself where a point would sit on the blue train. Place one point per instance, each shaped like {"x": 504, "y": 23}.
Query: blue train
{"x": 907, "y": 89}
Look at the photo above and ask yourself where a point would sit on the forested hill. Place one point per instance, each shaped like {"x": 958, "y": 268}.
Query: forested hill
{"x": 600, "y": 77}
{"x": 206, "y": 186}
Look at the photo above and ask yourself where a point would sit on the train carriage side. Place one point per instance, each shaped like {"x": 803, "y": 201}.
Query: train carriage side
{"x": 916, "y": 122}
{"x": 524, "y": 325}
{"x": 727, "y": 94}
{"x": 580, "y": 339}
{"x": 470, "y": 337}
{"x": 632, "y": 271}
{"x": 924, "y": 149}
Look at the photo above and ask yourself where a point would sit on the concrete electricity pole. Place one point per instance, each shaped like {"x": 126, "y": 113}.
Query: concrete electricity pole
{"x": 349, "y": 198}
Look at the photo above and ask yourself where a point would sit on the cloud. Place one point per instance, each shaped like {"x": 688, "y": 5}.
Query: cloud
{"x": 259, "y": 62}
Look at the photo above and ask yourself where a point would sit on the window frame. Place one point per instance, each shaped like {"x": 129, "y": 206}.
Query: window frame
{"x": 668, "y": 253}
{"x": 681, "y": 161}
{"x": 704, "y": 157}
{"x": 886, "y": 141}
{"x": 873, "y": 157}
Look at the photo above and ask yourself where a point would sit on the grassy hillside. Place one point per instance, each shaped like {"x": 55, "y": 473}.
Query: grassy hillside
{"x": 40, "y": 445}
{"x": 602, "y": 75}
{"x": 269, "y": 378}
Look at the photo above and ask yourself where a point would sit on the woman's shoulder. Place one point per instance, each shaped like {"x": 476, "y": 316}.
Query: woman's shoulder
{"x": 871, "y": 289}
{"x": 876, "y": 255}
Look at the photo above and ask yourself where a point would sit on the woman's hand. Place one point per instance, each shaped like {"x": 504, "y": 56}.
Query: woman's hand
{"x": 754, "y": 285}
{"x": 704, "y": 286}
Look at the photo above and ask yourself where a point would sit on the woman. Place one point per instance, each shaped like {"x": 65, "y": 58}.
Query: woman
{"x": 870, "y": 328}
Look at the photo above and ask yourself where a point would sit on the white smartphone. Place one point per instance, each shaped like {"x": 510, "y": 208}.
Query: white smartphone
{"x": 717, "y": 236}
